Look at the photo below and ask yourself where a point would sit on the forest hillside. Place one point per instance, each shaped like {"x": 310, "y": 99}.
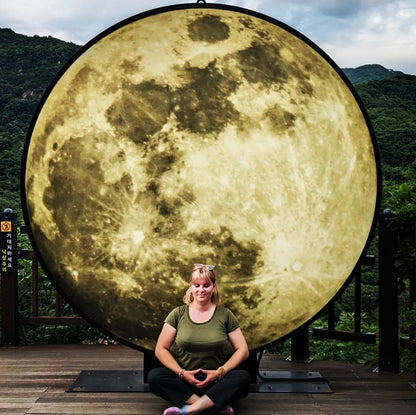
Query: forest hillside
{"x": 29, "y": 63}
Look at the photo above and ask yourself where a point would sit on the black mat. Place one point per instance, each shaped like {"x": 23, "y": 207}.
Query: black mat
{"x": 282, "y": 381}
{"x": 109, "y": 381}
{"x": 132, "y": 381}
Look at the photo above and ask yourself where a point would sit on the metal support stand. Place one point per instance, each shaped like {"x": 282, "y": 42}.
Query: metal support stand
{"x": 283, "y": 381}
{"x": 280, "y": 381}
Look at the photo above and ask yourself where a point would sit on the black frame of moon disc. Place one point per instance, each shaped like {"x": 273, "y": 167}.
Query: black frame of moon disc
{"x": 166, "y": 9}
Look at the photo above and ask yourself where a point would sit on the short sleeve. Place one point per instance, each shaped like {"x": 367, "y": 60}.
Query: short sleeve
{"x": 174, "y": 316}
{"x": 231, "y": 321}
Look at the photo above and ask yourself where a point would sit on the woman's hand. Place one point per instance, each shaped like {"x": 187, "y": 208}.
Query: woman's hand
{"x": 200, "y": 377}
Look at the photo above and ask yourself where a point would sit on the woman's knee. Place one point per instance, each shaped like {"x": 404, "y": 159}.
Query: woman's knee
{"x": 242, "y": 375}
{"x": 155, "y": 375}
{"x": 242, "y": 380}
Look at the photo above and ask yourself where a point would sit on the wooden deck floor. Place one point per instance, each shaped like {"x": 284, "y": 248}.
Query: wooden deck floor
{"x": 34, "y": 380}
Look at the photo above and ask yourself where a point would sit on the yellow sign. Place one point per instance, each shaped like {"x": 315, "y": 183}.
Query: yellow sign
{"x": 6, "y": 226}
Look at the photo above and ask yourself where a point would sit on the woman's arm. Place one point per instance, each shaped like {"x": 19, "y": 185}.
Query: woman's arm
{"x": 241, "y": 352}
{"x": 162, "y": 352}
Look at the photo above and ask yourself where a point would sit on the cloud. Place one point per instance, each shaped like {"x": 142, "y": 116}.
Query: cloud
{"x": 382, "y": 33}
{"x": 77, "y": 21}
{"x": 357, "y": 32}
{"x": 351, "y": 32}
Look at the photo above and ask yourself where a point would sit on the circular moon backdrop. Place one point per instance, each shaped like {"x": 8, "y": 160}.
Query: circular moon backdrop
{"x": 200, "y": 134}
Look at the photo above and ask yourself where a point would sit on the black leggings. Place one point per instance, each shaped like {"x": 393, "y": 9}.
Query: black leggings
{"x": 167, "y": 384}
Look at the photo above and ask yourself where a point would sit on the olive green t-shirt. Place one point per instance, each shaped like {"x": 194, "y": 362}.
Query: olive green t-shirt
{"x": 202, "y": 345}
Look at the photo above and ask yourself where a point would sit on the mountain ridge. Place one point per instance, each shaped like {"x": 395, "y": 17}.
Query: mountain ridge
{"x": 370, "y": 72}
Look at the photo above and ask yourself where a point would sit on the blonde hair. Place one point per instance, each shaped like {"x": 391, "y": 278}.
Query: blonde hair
{"x": 209, "y": 276}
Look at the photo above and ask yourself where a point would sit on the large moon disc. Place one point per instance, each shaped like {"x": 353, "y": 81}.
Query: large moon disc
{"x": 200, "y": 134}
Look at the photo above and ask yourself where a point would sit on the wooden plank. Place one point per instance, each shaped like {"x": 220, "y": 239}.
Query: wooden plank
{"x": 321, "y": 333}
{"x": 34, "y": 380}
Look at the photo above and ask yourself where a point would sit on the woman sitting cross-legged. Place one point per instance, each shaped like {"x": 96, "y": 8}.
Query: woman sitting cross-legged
{"x": 204, "y": 372}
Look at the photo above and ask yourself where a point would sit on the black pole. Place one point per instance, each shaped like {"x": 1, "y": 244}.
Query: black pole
{"x": 299, "y": 348}
{"x": 388, "y": 356}
{"x": 357, "y": 298}
{"x": 8, "y": 244}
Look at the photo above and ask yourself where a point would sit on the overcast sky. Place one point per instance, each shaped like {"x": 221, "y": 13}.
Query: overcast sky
{"x": 351, "y": 32}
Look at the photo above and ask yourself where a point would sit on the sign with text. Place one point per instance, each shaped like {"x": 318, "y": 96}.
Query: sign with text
{"x": 8, "y": 243}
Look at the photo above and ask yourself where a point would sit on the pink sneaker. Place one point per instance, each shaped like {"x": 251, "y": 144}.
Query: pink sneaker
{"x": 227, "y": 410}
{"x": 173, "y": 410}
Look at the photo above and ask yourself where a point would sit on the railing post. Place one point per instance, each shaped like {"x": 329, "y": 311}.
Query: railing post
{"x": 8, "y": 243}
{"x": 357, "y": 298}
{"x": 388, "y": 356}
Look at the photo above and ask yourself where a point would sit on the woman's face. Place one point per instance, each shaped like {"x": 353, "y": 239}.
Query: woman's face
{"x": 202, "y": 290}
